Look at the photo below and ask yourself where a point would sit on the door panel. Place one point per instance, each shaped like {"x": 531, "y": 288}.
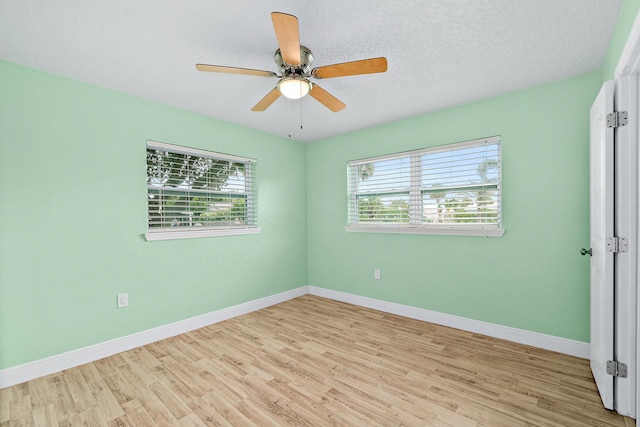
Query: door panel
{"x": 601, "y": 228}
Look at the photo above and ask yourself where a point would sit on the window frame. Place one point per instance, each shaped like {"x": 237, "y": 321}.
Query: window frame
{"x": 416, "y": 191}
{"x": 168, "y": 233}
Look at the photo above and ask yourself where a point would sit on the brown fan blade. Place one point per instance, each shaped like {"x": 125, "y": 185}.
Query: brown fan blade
{"x": 269, "y": 99}
{"x": 326, "y": 99}
{"x": 234, "y": 70}
{"x": 364, "y": 66}
{"x": 286, "y": 27}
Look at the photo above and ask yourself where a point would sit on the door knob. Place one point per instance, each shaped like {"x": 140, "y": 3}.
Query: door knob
{"x": 584, "y": 251}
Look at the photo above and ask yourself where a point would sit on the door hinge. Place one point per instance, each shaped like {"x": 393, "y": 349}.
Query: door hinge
{"x": 617, "y": 244}
{"x": 617, "y": 119}
{"x": 616, "y": 369}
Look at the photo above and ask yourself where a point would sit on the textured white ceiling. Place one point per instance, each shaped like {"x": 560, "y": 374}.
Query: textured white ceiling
{"x": 441, "y": 53}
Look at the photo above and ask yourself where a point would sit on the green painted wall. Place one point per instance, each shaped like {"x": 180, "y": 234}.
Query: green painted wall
{"x": 73, "y": 215}
{"x": 533, "y": 277}
{"x": 628, "y": 13}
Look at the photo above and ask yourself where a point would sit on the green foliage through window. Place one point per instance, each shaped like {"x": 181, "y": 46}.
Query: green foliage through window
{"x": 198, "y": 190}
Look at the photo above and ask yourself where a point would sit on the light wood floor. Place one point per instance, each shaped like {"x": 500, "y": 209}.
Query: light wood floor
{"x": 316, "y": 362}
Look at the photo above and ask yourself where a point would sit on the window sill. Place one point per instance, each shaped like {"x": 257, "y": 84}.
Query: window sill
{"x": 194, "y": 234}
{"x": 416, "y": 229}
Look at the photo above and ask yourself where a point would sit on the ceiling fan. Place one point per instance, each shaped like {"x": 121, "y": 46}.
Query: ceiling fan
{"x": 294, "y": 63}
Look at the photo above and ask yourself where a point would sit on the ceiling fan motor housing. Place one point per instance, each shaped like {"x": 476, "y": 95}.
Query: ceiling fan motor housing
{"x": 302, "y": 69}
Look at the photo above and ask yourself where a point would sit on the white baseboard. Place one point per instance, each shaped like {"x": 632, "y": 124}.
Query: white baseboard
{"x": 53, "y": 364}
{"x": 50, "y": 365}
{"x": 535, "y": 339}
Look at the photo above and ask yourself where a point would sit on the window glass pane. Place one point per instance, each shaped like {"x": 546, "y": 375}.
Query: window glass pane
{"x": 382, "y": 176}
{"x": 461, "y": 166}
{"x": 391, "y": 208}
{"x": 190, "y": 209}
{"x": 167, "y": 169}
{"x": 477, "y": 205}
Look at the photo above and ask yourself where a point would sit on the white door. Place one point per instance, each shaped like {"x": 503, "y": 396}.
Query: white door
{"x": 601, "y": 228}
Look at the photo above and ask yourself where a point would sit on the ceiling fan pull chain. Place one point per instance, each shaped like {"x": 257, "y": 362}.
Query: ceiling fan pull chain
{"x": 301, "y": 114}
{"x": 290, "y": 127}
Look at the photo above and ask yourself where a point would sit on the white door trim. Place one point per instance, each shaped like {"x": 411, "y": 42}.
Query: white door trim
{"x": 627, "y": 77}
{"x": 631, "y": 53}
{"x": 626, "y": 263}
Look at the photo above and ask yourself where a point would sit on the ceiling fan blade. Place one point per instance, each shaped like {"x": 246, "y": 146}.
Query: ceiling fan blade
{"x": 286, "y": 27}
{"x": 326, "y": 99}
{"x": 269, "y": 99}
{"x": 364, "y": 66}
{"x": 234, "y": 70}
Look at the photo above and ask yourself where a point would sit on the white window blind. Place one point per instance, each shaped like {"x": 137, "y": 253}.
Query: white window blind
{"x": 452, "y": 189}
{"x": 196, "y": 193}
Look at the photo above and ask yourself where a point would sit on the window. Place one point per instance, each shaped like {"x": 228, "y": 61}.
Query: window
{"x": 449, "y": 189}
{"x": 196, "y": 193}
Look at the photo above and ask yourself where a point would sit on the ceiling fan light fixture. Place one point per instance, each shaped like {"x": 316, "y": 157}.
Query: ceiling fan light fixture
{"x": 294, "y": 87}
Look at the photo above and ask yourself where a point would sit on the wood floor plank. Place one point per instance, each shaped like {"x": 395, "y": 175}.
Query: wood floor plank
{"x": 317, "y": 362}
{"x": 44, "y": 416}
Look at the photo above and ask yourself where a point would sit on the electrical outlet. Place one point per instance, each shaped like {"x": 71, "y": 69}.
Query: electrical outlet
{"x": 376, "y": 274}
{"x": 123, "y": 300}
